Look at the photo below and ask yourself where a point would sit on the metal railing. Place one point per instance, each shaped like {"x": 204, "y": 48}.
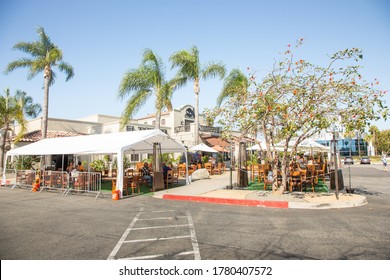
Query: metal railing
{"x": 85, "y": 182}
{"x": 24, "y": 179}
{"x": 183, "y": 128}
{"x": 211, "y": 129}
{"x": 62, "y": 181}
{"x": 55, "y": 180}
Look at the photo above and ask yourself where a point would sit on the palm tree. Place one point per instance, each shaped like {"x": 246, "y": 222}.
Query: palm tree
{"x": 143, "y": 82}
{"x": 235, "y": 83}
{"x": 190, "y": 69}
{"x": 30, "y": 108}
{"x": 45, "y": 56}
{"x": 13, "y": 109}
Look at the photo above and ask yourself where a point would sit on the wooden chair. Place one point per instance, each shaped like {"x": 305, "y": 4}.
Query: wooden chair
{"x": 262, "y": 171}
{"x": 321, "y": 171}
{"x": 129, "y": 172}
{"x": 182, "y": 169}
{"x": 295, "y": 180}
{"x": 255, "y": 172}
{"x": 311, "y": 177}
{"x": 126, "y": 185}
{"x": 218, "y": 169}
{"x": 79, "y": 184}
{"x": 267, "y": 182}
{"x": 135, "y": 184}
{"x": 175, "y": 177}
{"x": 208, "y": 167}
{"x": 307, "y": 177}
{"x": 169, "y": 178}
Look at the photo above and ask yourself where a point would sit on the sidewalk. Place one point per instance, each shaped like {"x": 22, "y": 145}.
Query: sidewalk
{"x": 213, "y": 190}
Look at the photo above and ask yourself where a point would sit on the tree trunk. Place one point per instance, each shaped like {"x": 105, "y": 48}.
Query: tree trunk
{"x": 159, "y": 105}
{"x": 3, "y": 143}
{"x": 196, "y": 127}
{"x": 45, "y": 113}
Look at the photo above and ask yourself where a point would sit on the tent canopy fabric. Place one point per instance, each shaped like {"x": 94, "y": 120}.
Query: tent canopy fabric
{"x": 307, "y": 145}
{"x": 263, "y": 147}
{"x": 110, "y": 143}
{"x": 203, "y": 148}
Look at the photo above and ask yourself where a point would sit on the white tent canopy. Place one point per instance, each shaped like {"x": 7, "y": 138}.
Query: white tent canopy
{"x": 263, "y": 147}
{"x": 111, "y": 143}
{"x": 203, "y": 148}
{"x": 307, "y": 145}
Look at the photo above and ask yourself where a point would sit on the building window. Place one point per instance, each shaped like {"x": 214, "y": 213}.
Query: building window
{"x": 129, "y": 128}
{"x": 162, "y": 121}
{"x": 134, "y": 157}
{"x": 153, "y": 123}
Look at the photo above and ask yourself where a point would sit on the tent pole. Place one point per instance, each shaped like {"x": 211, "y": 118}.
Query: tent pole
{"x": 3, "y": 179}
{"x": 119, "y": 172}
{"x": 186, "y": 157}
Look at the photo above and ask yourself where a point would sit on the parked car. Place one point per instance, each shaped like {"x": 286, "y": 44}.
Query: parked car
{"x": 348, "y": 160}
{"x": 365, "y": 160}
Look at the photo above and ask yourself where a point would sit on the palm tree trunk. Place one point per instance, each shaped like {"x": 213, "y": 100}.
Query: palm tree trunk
{"x": 3, "y": 142}
{"x": 196, "y": 127}
{"x": 45, "y": 113}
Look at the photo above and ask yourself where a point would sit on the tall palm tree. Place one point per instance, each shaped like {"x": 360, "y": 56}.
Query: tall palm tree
{"x": 45, "y": 56}
{"x": 190, "y": 69}
{"x": 141, "y": 83}
{"x": 236, "y": 83}
{"x": 13, "y": 109}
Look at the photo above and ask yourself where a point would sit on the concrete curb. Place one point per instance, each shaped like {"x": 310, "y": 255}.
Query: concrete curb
{"x": 268, "y": 203}
{"x": 230, "y": 201}
{"x": 333, "y": 205}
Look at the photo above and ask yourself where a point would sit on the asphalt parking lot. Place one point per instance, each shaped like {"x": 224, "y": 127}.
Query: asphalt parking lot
{"x": 48, "y": 226}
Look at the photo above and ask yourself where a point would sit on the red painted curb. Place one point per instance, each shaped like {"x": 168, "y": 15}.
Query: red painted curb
{"x": 231, "y": 201}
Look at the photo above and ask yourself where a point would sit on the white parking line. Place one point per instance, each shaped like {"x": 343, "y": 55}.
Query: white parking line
{"x": 137, "y": 218}
{"x": 170, "y": 226}
{"x": 157, "y": 239}
{"x": 125, "y": 234}
{"x": 158, "y": 256}
{"x": 194, "y": 240}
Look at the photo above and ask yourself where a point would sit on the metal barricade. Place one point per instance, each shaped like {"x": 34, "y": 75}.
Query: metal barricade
{"x": 85, "y": 182}
{"x": 55, "y": 180}
{"x": 24, "y": 179}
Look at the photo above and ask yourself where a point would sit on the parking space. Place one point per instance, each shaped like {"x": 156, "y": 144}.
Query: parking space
{"x": 162, "y": 234}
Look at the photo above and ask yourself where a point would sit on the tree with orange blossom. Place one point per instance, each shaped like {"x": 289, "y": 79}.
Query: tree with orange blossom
{"x": 297, "y": 99}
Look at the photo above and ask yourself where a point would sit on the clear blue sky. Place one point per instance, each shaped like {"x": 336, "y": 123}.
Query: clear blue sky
{"x": 104, "y": 39}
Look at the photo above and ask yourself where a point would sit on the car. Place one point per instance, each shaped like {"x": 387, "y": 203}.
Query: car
{"x": 348, "y": 160}
{"x": 365, "y": 160}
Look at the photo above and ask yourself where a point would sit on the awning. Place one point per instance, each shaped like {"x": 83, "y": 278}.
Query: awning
{"x": 202, "y": 148}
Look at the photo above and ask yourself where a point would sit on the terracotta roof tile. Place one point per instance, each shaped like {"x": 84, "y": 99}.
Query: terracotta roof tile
{"x": 36, "y": 135}
{"x": 215, "y": 141}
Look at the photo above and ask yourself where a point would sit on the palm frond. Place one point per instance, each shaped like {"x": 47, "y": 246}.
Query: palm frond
{"x": 67, "y": 68}
{"x": 136, "y": 101}
{"x": 214, "y": 69}
{"x": 44, "y": 39}
{"x": 135, "y": 79}
{"x": 154, "y": 63}
{"x": 21, "y": 63}
{"x": 235, "y": 83}
{"x": 188, "y": 63}
{"x": 34, "y": 48}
